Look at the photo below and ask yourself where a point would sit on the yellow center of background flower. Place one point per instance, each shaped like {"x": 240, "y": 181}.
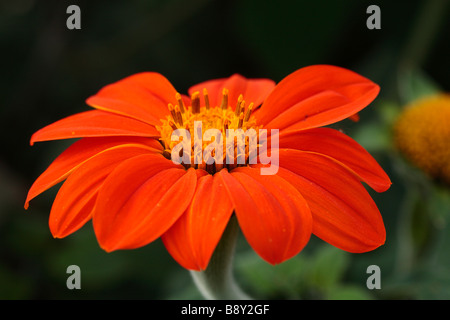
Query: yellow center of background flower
{"x": 422, "y": 134}
{"x": 221, "y": 117}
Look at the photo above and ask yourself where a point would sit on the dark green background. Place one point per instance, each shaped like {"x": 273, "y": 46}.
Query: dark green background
{"x": 47, "y": 71}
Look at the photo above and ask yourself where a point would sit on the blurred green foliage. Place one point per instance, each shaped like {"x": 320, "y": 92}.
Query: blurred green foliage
{"x": 48, "y": 71}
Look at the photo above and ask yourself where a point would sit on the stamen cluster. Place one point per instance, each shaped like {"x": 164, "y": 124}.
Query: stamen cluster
{"x": 198, "y": 119}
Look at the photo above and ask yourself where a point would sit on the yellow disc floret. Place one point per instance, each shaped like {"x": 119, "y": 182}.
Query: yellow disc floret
{"x": 223, "y": 118}
{"x": 422, "y": 134}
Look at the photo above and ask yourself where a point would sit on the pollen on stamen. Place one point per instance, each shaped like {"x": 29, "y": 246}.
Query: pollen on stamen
{"x": 172, "y": 111}
{"x": 238, "y": 105}
{"x": 173, "y": 125}
{"x": 226, "y": 124}
{"x": 222, "y": 117}
{"x": 180, "y": 102}
{"x": 206, "y": 97}
{"x": 224, "y": 104}
{"x": 179, "y": 117}
{"x": 241, "y": 120}
{"x": 195, "y": 101}
{"x": 249, "y": 112}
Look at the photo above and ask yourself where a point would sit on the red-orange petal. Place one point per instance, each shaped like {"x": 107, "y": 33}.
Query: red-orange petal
{"x": 342, "y": 148}
{"x": 78, "y": 153}
{"x": 272, "y": 214}
{"x": 143, "y": 96}
{"x": 73, "y": 204}
{"x": 316, "y": 96}
{"x": 140, "y": 200}
{"x": 192, "y": 239}
{"x": 253, "y": 90}
{"x": 344, "y": 214}
{"x": 94, "y": 123}
{"x": 355, "y": 117}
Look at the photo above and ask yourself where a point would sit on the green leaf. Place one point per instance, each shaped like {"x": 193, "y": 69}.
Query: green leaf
{"x": 373, "y": 137}
{"x": 349, "y": 292}
{"x": 415, "y": 84}
{"x": 328, "y": 267}
{"x": 283, "y": 281}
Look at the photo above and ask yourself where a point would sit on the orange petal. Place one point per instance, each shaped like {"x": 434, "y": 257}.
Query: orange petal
{"x": 94, "y": 124}
{"x": 316, "y": 96}
{"x": 78, "y": 153}
{"x": 143, "y": 96}
{"x": 75, "y": 200}
{"x": 253, "y": 90}
{"x": 344, "y": 214}
{"x": 342, "y": 148}
{"x": 355, "y": 117}
{"x": 192, "y": 239}
{"x": 272, "y": 214}
{"x": 140, "y": 200}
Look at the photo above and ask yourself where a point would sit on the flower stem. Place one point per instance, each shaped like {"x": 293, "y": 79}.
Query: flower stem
{"x": 217, "y": 282}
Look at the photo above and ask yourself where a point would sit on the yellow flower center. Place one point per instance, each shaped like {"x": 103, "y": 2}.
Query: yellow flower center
{"x": 208, "y": 126}
{"x": 422, "y": 134}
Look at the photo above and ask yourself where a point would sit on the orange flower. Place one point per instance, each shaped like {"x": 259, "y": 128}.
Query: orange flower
{"x": 120, "y": 174}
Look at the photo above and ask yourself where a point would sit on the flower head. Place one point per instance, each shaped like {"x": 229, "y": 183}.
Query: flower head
{"x": 121, "y": 173}
{"x": 422, "y": 134}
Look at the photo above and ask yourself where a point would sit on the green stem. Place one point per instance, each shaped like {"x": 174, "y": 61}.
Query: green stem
{"x": 217, "y": 282}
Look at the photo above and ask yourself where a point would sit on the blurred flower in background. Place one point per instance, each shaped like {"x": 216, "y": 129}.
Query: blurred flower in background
{"x": 422, "y": 134}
